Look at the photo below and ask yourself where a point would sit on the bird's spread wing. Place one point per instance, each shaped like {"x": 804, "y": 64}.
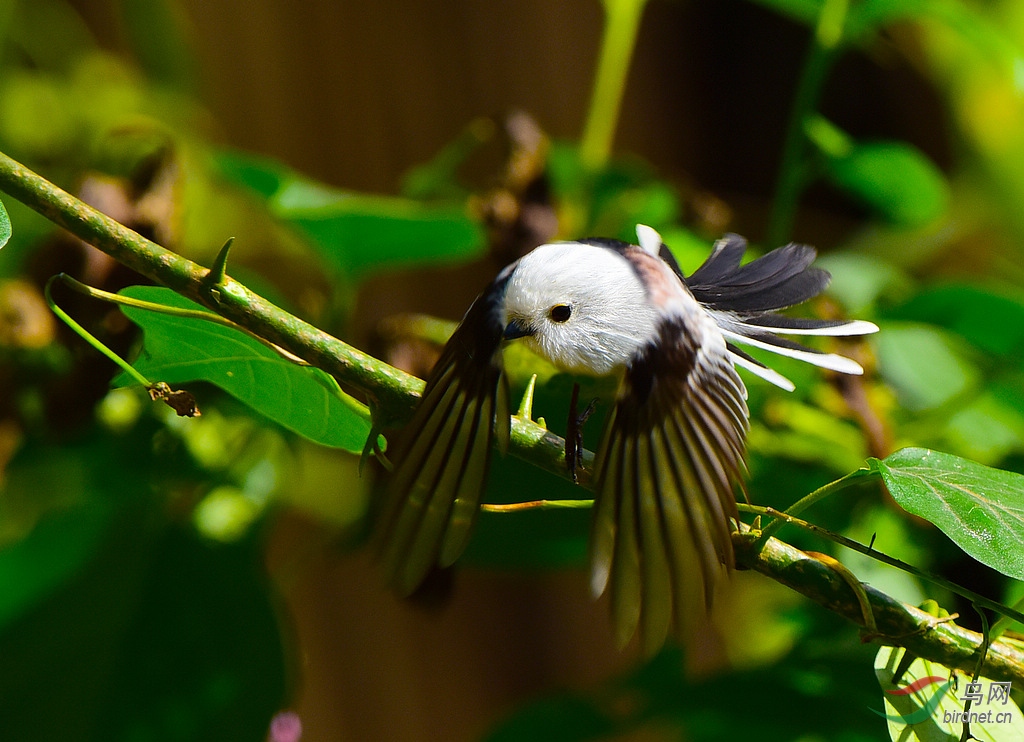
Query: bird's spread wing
{"x": 743, "y": 300}
{"x": 443, "y": 455}
{"x": 672, "y": 454}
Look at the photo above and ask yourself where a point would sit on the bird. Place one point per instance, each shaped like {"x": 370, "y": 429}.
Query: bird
{"x": 673, "y": 451}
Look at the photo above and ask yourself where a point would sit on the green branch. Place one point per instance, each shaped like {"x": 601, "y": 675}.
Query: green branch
{"x": 896, "y": 624}
{"x": 393, "y": 394}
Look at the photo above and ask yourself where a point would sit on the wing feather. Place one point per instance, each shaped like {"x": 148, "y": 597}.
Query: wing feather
{"x": 665, "y": 484}
{"x": 443, "y": 454}
{"x": 723, "y": 261}
{"x": 656, "y": 574}
{"x": 466, "y": 502}
{"x": 625, "y": 574}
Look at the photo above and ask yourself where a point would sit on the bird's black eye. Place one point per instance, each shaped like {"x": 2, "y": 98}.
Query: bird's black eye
{"x": 560, "y": 313}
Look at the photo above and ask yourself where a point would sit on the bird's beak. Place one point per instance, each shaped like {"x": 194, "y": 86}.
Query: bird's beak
{"x": 517, "y": 328}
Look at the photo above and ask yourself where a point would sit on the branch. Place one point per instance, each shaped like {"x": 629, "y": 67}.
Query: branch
{"x": 896, "y": 624}
{"x": 393, "y": 393}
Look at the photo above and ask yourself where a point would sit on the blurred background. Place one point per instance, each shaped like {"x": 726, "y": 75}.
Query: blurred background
{"x": 164, "y": 579}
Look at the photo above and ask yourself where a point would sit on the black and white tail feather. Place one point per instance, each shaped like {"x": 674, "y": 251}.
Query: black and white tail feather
{"x": 743, "y": 301}
{"x": 673, "y": 451}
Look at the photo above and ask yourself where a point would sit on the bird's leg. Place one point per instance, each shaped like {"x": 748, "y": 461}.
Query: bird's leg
{"x": 574, "y": 432}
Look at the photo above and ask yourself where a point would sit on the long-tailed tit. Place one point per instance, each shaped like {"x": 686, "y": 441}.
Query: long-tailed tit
{"x": 672, "y": 452}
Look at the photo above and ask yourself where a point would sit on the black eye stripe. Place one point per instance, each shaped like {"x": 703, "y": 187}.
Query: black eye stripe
{"x": 560, "y": 313}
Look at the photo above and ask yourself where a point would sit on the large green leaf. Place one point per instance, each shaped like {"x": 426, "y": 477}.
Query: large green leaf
{"x": 359, "y": 233}
{"x": 5, "y": 225}
{"x": 980, "y": 508}
{"x": 302, "y": 399}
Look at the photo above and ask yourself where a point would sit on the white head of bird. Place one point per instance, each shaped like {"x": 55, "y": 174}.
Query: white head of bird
{"x": 584, "y": 309}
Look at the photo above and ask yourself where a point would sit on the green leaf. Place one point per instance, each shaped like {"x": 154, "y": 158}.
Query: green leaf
{"x": 5, "y": 225}
{"x": 930, "y": 713}
{"x": 993, "y": 321}
{"x": 359, "y": 233}
{"x": 893, "y": 179}
{"x": 62, "y": 534}
{"x": 302, "y": 399}
{"x": 926, "y": 365}
{"x": 981, "y": 509}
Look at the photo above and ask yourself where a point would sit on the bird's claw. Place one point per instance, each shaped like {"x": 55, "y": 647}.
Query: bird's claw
{"x": 574, "y": 433}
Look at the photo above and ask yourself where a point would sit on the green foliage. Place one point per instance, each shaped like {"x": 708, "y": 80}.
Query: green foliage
{"x": 302, "y": 399}
{"x": 925, "y": 365}
{"x": 980, "y": 508}
{"x": 358, "y": 234}
{"x": 132, "y": 625}
{"x": 826, "y": 688}
{"x": 894, "y": 179}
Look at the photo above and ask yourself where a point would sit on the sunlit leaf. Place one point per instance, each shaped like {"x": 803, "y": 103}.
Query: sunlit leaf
{"x": 359, "y": 233}
{"x": 5, "y": 225}
{"x": 991, "y": 426}
{"x": 893, "y": 179}
{"x": 926, "y": 705}
{"x": 302, "y": 399}
{"x": 859, "y": 280}
{"x": 981, "y": 509}
{"x": 926, "y": 365}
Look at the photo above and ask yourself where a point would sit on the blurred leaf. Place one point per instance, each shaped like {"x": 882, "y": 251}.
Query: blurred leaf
{"x": 612, "y": 201}
{"x": 438, "y": 177}
{"x": 658, "y": 701}
{"x": 358, "y": 233}
{"x": 36, "y": 119}
{"x": 156, "y": 30}
{"x": 991, "y": 426}
{"x": 564, "y": 716}
{"x": 50, "y": 34}
{"x": 981, "y": 509}
{"x": 994, "y": 322}
{"x": 894, "y": 179}
{"x": 808, "y": 433}
{"x": 5, "y": 225}
{"x": 924, "y": 364}
{"x": 302, "y": 399}
{"x": 858, "y": 281}
{"x": 163, "y": 636}
{"x": 61, "y": 535}
{"x": 926, "y": 714}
